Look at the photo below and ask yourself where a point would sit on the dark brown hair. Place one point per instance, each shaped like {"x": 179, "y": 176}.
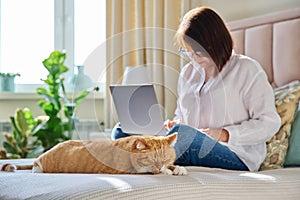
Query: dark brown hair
{"x": 203, "y": 29}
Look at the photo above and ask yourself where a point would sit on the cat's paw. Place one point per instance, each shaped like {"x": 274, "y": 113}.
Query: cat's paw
{"x": 178, "y": 170}
{"x": 166, "y": 171}
{"x": 8, "y": 167}
{"x": 37, "y": 167}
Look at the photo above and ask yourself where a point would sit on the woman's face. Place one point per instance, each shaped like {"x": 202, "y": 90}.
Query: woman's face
{"x": 202, "y": 58}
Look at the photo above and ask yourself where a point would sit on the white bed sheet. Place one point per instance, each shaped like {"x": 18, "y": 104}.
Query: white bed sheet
{"x": 200, "y": 183}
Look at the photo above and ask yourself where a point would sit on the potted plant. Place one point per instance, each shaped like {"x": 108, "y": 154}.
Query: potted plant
{"x": 55, "y": 103}
{"x": 7, "y": 81}
{"x": 22, "y": 143}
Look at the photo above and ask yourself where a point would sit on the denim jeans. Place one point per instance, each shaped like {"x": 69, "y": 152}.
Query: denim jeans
{"x": 194, "y": 148}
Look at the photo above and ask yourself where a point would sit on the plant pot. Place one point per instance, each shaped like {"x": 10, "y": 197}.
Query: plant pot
{"x": 7, "y": 83}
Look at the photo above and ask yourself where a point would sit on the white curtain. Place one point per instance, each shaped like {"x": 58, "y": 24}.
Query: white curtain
{"x": 141, "y": 33}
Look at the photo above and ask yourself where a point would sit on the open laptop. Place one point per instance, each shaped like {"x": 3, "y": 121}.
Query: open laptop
{"x": 138, "y": 109}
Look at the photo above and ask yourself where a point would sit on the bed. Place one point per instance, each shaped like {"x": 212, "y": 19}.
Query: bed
{"x": 273, "y": 40}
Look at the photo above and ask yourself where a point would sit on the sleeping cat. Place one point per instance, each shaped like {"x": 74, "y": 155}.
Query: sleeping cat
{"x": 129, "y": 155}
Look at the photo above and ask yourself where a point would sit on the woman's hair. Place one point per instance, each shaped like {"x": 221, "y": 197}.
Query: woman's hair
{"x": 203, "y": 29}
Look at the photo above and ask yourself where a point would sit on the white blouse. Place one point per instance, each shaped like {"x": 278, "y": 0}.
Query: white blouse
{"x": 239, "y": 99}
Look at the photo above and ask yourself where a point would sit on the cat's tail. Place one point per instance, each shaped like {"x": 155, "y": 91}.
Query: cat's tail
{"x": 10, "y": 167}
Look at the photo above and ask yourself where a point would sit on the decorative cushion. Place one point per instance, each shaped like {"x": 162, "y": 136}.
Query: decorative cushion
{"x": 286, "y": 101}
{"x": 293, "y": 154}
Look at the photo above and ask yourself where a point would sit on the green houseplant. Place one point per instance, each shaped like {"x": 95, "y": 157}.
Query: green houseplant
{"x": 55, "y": 103}
{"x": 22, "y": 143}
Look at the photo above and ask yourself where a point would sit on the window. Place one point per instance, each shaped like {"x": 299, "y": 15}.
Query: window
{"x": 27, "y": 36}
{"x": 90, "y": 34}
{"x": 31, "y": 29}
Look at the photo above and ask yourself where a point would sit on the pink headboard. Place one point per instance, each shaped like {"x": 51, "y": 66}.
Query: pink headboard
{"x": 274, "y": 41}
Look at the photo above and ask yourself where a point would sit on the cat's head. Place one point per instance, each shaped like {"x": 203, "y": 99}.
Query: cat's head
{"x": 151, "y": 154}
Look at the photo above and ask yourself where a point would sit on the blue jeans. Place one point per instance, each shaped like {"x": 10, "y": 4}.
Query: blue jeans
{"x": 194, "y": 148}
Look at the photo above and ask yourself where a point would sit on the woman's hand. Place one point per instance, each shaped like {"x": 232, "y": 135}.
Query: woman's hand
{"x": 170, "y": 123}
{"x": 220, "y": 135}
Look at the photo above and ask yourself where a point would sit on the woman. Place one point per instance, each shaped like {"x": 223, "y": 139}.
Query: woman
{"x": 225, "y": 107}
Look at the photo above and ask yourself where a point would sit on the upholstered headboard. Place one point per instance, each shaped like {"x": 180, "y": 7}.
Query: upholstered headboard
{"x": 274, "y": 41}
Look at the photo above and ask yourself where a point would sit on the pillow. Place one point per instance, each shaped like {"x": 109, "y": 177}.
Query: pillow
{"x": 293, "y": 153}
{"x": 286, "y": 102}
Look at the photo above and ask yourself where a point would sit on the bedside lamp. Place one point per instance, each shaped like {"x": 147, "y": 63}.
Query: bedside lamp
{"x": 135, "y": 75}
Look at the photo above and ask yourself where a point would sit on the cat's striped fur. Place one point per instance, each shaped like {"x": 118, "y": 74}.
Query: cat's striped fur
{"x": 130, "y": 155}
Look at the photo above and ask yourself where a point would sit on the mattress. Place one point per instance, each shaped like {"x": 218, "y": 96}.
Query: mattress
{"x": 200, "y": 183}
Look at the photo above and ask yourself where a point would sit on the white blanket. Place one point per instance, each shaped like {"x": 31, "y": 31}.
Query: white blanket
{"x": 200, "y": 183}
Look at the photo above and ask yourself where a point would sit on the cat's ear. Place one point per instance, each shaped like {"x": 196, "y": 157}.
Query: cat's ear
{"x": 140, "y": 144}
{"x": 172, "y": 139}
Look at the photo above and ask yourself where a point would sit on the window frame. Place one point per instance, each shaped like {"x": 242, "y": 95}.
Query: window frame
{"x": 64, "y": 29}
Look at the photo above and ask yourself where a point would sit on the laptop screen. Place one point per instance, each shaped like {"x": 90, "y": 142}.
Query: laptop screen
{"x": 138, "y": 109}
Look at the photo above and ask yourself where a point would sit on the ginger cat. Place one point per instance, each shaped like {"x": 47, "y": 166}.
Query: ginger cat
{"x": 129, "y": 155}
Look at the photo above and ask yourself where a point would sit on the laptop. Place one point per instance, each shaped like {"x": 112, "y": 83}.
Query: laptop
{"x": 138, "y": 109}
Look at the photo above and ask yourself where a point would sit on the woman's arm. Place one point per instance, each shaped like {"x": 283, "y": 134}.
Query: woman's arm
{"x": 264, "y": 120}
{"x": 221, "y": 135}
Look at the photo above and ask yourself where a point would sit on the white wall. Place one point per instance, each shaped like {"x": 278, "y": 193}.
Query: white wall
{"x": 238, "y": 9}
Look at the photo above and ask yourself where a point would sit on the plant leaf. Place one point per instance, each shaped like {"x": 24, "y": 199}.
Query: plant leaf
{"x": 17, "y": 133}
{"x": 9, "y": 137}
{"x": 9, "y": 148}
{"x": 47, "y": 95}
{"x": 81, "y": 97}
{"x": 40, "y": 123}
{"x": 14, "y": 156}
{"x": 21, "y": 122}
{"x": 37, "y": 150}
{"x": 55, "y": 63}
{"x": 29, "y": 120}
